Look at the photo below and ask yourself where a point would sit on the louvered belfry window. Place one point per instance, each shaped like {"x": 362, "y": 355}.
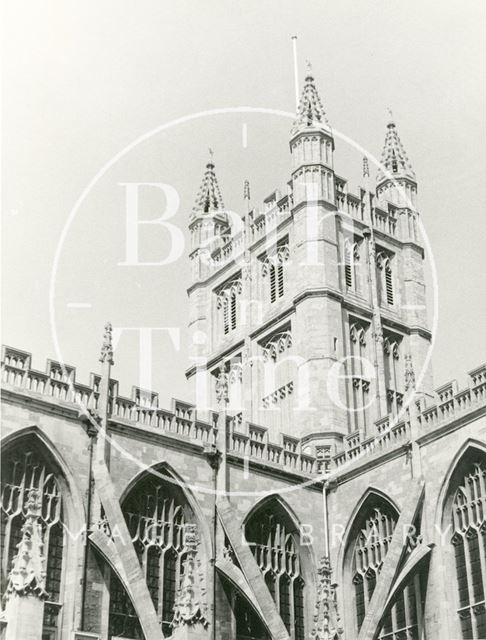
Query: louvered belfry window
{"x": 351, "y": 264}
{"x": 275, "y": 547}
{"x": 227, "y": 303}
{"x": 273, "y": 269}
{"x": 468, "y": 540}
{"x": 23, "y": 469}
{"x": 155, "y": 514}
{"x": 386, "y": 290}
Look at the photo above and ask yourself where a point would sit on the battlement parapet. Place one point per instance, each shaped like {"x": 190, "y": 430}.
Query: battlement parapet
{"x": 248, "y": 440}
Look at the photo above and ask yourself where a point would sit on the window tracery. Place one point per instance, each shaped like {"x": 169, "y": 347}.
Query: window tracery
{"x": 156, "y": 515}
{"x": 404, "y": 618}
{"x": 468, "y": 540}
{"x": 275, "y": 547}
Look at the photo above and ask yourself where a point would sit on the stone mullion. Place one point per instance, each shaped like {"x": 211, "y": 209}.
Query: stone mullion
{"x": 418, "y": 606}
{"x": 470, "y": 588}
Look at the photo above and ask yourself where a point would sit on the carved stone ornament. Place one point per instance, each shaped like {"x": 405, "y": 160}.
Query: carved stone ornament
{"x": 28, "y": 575}
{"x": 190, "y": 605}
{"x": 222, "y": 384}
{"x": 327, "y": 623}
{"x": 409, "y": 373}
{"x": 107, "y": 345}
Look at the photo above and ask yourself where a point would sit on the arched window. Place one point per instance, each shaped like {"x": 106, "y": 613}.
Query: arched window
{"x": 227, "y": 303}
{"x": 273, "y": 539}
{"x": 273, "y": 267}
{"x": 27, "y": 467}
{"x": 156, "y": 512}
{"x": 352, "y": 264}
{"x": 468, "y": 520}
{"x": 386, "y": 289}
{"x": 370, "y": 540}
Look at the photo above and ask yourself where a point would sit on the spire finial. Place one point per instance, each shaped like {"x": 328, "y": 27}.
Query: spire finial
{"x": 390, "y": 116}
{"x": 28, "y": 573}
{"x": 246, "y": 190}
{"x": 308, "y": 67}
{"x": 366, "y": 167}
{"x": 107, "y": 345}
{"x": 211, "y": 155}
{"x": 190, "y": 605}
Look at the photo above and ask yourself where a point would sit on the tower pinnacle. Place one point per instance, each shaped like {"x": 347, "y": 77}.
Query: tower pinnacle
{"x": 209, "y": 195}
{"x": 310, "y": 111}
{"x": 394, "y": 158}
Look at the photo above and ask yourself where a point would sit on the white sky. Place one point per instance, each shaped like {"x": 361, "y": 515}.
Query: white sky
{"x": 84, "y": 79}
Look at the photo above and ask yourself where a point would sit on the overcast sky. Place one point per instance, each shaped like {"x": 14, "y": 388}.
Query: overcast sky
{"x": 82, "y": 80}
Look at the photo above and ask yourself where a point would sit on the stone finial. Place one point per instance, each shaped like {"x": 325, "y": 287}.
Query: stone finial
{"x": 190, "y": 605}
{"x": 246, "y": 190}
{"x": 28, "y": 575}
{"x": 106, "y": 354}
{"x": 409, "y": 373}
{"x": 327, "y": 623}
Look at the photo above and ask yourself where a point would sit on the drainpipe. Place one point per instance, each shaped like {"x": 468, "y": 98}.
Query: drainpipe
{"x": 90, "y": 421}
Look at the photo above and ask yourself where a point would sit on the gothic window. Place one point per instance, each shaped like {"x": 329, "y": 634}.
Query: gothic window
{"x": 351, "y": 264}
{"x": 385, "y": 279}
{"x": 360, "y": 374}
{"x": 273, "y": 540}
{"x": 394, "y": 378}
{"x": 227, "y": 304}
{"x": 368, "y": 548}
{"x": 468, "y": 519}
{"x": 273, "y": 269}
{"x": 156, "y": 513}
{"x": 26, "y": 468}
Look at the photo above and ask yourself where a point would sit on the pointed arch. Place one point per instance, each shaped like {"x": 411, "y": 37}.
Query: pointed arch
{"x": 373, "y": 519}
{"x": 371, "y": 493}
{"x": 470, "y": 446}
{"x": 70, "y": 527}
{"x": 157, "y": 505}
{"x": 273, "y": 532}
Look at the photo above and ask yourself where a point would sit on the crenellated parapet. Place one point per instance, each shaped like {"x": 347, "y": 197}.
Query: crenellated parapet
{"x": 246, "y": 441}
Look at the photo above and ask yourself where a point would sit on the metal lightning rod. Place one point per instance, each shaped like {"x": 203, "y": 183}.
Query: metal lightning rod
{"x": 296, "y": 71}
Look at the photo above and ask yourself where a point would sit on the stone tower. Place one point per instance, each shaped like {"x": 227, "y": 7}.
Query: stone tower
{"x": 313, "y": 301}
